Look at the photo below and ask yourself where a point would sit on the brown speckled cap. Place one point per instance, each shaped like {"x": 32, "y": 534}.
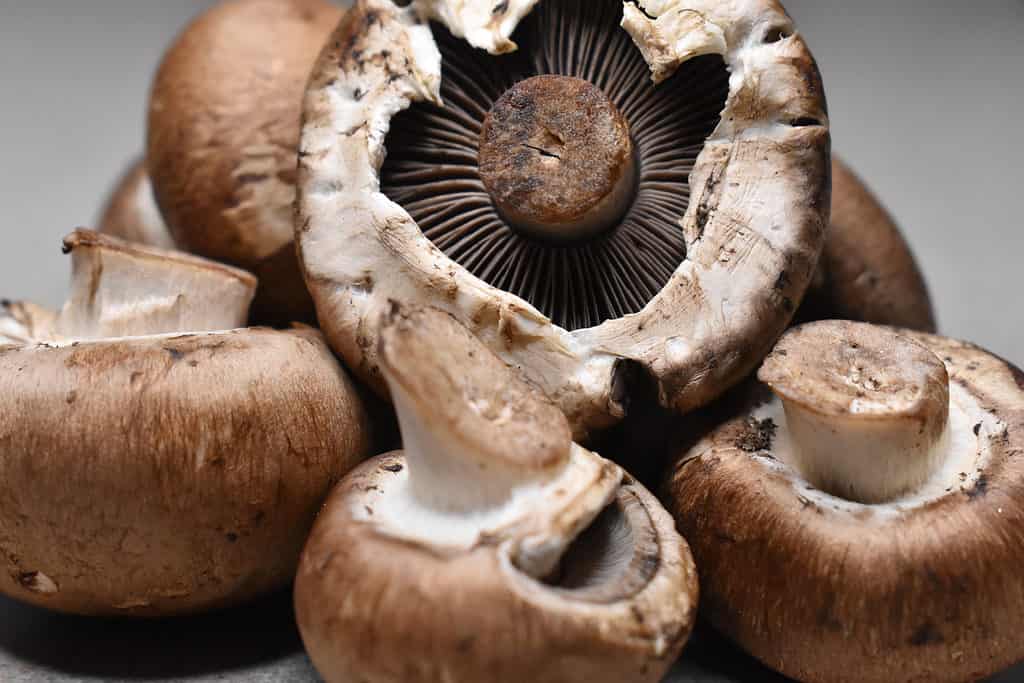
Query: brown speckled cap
{"x": 710, "y": 248}
{"x": 154, "y": 462}
{"x": 828, "y": 582}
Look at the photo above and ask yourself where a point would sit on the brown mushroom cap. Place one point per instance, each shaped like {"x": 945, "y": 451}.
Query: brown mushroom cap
{"x": 867, "y": 271}
{"x": 692, "y": 292}
{"x": 924, "y": 583}
{"x": 131, "y": 213}
{"x": 515, "y": 568}
{"x": 166, "y": 473}
{"x": 222, "y": 137}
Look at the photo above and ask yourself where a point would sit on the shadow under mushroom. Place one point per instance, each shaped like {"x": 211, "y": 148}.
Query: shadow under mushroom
{"x": 261, "y": 635}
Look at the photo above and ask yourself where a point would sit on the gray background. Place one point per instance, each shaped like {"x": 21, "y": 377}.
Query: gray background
{"x": 925, "y": 99}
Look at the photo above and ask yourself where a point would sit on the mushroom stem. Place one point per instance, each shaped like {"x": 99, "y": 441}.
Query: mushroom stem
{"x": 487, "y": 454}
{"x": 865, "y": 407}
{"x": 557, "y": 159}
{"x": 123, "y": 290}
{"x": 472, "y": 432}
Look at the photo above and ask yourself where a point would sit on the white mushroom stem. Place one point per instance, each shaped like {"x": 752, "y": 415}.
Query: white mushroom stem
{"x": 487, "y": 455}
{"x": 123, "y": 290}
{"x": 866, "y": 408}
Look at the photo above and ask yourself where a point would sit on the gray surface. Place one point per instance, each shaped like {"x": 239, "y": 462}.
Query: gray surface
{"x": 925, "y": 101}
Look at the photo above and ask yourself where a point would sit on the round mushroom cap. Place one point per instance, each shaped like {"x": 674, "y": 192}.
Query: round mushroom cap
{"x": 131, "y": 213}
{"x": 409, "y": 192}
{"x": 812, "y": 560}
{"x": 579, "y": 569}
{"x": 166, "y": 475}
{"x": 223, "y": 131}
{"x": 867, "y": 271}
{"x": 147, "y": 472}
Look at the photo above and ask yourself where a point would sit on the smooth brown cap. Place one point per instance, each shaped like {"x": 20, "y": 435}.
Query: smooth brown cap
{"x": 867, "y": 271}
{"x": 168, "y": 475}
{"x": 224, "y": 128}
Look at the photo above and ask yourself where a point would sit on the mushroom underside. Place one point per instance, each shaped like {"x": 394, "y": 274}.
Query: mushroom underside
{"x": 433, "y": 170}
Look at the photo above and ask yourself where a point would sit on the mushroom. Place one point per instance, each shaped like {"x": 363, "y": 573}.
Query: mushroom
{"x": 222, "y": 137}
{"x": 867, "y": 271}
{"x": 492, "y": 548}
{"x": 544, "y": 197}
{"x": 131, "y": 212}
{"x": 864, "y": 523}
{"x": 153, "y": 459}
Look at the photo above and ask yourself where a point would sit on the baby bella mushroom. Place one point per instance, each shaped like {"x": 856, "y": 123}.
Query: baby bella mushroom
{"x": 866, "y": 271}
{"x": 591, "y": 226}
{"x": 492, "y": 548}
{"x": 131, "y": 212}
{"x": 865, "y": 523}
{"x": 223, "y": 131}
{"x": 156, "y": 459}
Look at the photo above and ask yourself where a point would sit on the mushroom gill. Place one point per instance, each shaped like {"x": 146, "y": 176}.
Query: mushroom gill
{"x": 596, "y": 268}
{"x": 614, "y": 557}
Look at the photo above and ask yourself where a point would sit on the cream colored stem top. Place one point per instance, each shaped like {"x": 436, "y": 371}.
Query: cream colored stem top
{"x": 487, "y": 455}
{"x": 865, "y": 407}
{"x": 124, "y": 290}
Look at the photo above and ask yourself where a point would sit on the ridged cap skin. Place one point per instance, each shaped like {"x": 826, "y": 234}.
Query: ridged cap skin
{"x": 924, "y": 583}
{"x": 867, "y": 271}
{"x": 753, "y": 230}
{"x": 131, "y": 213}
{"x": 223, "y": 131}
{"x": 526, "y": 558}
{"x": 166, "y": 473}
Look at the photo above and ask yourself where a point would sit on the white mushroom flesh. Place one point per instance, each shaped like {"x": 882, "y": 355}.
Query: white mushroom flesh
{"x": 485, "y": 25}
{"x": 120, "y": 290}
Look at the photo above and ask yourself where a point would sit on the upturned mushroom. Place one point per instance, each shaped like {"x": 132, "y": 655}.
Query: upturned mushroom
{"x": 154, "y": 458}
{"x": 223, "y": 131}
{"x": 131, "y": 213}
{"x": 492, "y": 548}
{"x": 591, "y": 226}
{"x": 866, "y": 271}
{"x": 865, "y": 522}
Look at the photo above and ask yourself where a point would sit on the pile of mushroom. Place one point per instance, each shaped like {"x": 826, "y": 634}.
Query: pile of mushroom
{"x": 532, "y": 226}
{"x": 155, "y": 458}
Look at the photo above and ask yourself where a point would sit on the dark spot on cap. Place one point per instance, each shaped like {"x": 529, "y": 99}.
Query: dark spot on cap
{"x": 176, "y": 355}
{"x": 232, "y": 537}
{"x": 926, "y": 634}
{"x": 977, "y": 429}
{"x": 393, "y": 468}
{"x": 757, "y": 436}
